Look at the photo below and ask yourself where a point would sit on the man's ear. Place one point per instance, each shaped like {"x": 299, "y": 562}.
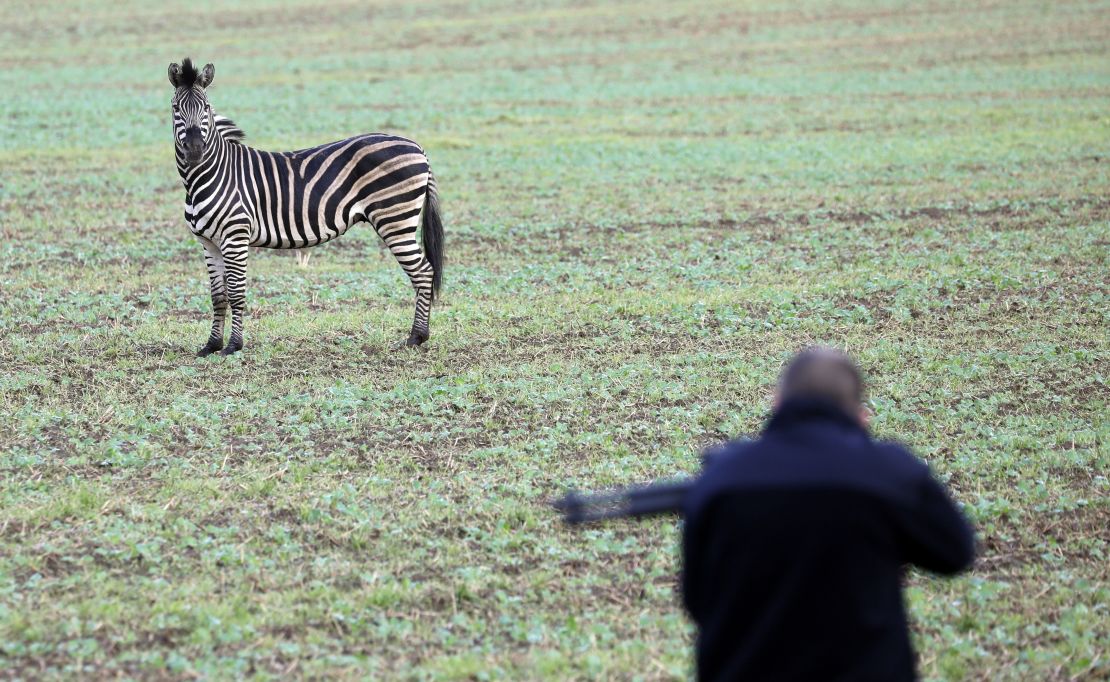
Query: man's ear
{"x": 206, "y": 76}
{"x": 175, "y": 74}
{"x": 864, "y": 416}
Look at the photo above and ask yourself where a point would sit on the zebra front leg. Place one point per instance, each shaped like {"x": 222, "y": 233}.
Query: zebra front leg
{"x": 214, "y": 260}
{"x": 234, "y": 249}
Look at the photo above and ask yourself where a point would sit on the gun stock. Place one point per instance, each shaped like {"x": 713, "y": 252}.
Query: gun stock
{"x": 649, "y": 500}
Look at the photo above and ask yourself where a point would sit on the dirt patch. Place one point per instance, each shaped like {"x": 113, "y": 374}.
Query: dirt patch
{"x": 766, "y": 225}
{"x": 1031, "y": 539}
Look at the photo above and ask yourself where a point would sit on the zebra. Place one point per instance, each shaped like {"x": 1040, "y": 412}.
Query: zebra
{"x": 238, "y": 197}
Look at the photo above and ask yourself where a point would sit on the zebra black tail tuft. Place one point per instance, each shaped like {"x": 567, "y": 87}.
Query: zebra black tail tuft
{"x": 432, "y": 236}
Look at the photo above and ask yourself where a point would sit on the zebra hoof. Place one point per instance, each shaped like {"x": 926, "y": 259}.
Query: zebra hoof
{"x": 232, "y": 348}
{"x": 415, "y": 340}
{"x": 209, "y": 349}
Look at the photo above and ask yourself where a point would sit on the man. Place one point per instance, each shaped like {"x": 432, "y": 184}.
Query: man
{"x": 795, "y": 543}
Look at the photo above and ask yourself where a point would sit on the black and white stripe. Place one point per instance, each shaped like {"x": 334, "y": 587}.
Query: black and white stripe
{"x": 237, "y": 197}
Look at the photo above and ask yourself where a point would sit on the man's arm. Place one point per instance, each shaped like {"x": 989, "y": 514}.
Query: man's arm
{"x": 936, "y": 536}
{"x": 689, "y": 581}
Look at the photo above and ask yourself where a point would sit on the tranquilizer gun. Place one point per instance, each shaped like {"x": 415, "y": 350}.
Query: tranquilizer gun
{"x": 646, "y": 500}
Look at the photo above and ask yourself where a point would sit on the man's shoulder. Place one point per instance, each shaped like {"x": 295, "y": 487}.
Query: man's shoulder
{"x": 900, "y": 458}
{"x": 749, "y": 451}
{"x": 883, "y": 468}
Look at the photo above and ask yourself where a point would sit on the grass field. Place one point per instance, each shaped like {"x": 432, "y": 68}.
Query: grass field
{"x": 649, "y": 206}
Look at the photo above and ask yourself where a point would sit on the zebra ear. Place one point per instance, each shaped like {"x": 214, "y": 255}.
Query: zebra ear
{"x": 175, "y": 75}
{"x": 206, "y": 76}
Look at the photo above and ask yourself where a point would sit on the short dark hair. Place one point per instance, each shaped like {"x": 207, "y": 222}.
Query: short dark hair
{"x": 823, "y": 373}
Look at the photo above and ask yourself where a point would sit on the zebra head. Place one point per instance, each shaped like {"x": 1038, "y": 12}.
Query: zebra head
{"x": 193, "y": 120}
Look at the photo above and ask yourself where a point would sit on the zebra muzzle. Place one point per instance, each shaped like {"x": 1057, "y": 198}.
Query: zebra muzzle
{"x": 193, "y": 145}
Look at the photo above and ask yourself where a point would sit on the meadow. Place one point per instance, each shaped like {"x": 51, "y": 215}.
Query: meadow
{"x": 649, "y": 206}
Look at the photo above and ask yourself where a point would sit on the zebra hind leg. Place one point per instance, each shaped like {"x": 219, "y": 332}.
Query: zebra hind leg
{"x": 400, "y": 238}
{"x": 419, "y": 332}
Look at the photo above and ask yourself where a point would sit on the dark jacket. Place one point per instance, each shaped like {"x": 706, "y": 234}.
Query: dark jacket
{"x": 794, "y": 547}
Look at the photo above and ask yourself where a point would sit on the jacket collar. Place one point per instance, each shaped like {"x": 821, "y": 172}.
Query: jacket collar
{"x": 798, "y": 411}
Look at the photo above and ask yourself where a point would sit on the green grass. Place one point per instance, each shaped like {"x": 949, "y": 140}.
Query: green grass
{"x": 649, "y": 207}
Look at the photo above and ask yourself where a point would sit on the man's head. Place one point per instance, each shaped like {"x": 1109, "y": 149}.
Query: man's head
{"x": 823, "y": 373}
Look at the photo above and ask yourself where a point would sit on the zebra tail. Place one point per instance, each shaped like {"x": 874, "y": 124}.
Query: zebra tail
{"x": 432, "y": 235}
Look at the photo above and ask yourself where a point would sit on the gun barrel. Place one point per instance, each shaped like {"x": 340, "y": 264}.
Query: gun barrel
{"x": 649, "y": 500}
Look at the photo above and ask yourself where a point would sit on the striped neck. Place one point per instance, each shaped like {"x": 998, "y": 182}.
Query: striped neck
{"x": 216, "y": 151}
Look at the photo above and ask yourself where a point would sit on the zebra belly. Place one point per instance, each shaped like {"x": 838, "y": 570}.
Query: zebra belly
{"x": 272, "y": 238}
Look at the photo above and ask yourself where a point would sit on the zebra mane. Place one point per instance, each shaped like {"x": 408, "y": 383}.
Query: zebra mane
{"x": 228, "y": 130}
{"x": 189, "y": 74}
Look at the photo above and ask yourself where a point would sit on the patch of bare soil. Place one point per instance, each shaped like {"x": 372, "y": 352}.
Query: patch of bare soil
{"x": 1093, "y": 207}
{"x": 1069, "y": 535}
